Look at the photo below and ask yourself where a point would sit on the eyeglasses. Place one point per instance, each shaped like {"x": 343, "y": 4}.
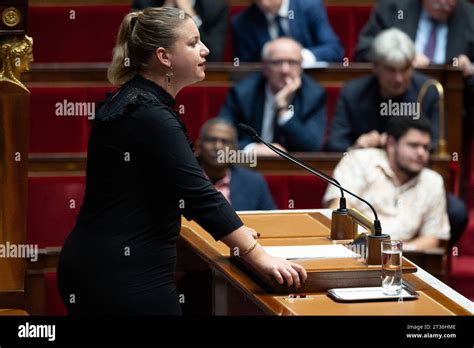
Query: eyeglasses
{"x": 279, "y": 62}
{"x": 215, "y": 140}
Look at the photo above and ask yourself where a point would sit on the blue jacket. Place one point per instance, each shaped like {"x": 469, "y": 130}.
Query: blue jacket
{"x": 310, "y": 26}
{"x": 303, "y": 132}
{"x": 249, "y": 190}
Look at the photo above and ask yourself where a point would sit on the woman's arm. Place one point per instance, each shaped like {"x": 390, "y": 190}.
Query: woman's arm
{"x": 165, "y": 147}
{"x": 273, "y": 267}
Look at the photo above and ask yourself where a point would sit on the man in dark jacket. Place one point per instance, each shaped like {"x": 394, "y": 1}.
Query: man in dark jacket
{"x": 366, "y": 104}
{"x": 305, "y": 21}
{"x": 219, "y": 158}
{"x": 282, "y": 104}
{"x": 442, "y": 30}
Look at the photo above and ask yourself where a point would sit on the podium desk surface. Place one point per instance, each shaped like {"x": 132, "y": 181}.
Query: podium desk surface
{"x": 312, "y": 227}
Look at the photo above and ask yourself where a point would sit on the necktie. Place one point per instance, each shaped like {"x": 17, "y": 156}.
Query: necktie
{"x": 431, "y": 44}
{"x": 281, "y": 32}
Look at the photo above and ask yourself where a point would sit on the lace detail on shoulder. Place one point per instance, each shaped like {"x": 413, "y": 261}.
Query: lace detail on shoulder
{"x": 129, "y": 99}
{"x": 123, "y": 102}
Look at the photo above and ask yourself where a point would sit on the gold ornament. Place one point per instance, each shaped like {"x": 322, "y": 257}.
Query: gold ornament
{"x": 11, "y": 17}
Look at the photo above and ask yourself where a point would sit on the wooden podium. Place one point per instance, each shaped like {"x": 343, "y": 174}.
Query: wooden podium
{"x": 237, "y": 290}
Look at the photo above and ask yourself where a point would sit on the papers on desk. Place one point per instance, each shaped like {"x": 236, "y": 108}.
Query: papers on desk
{"x": 311, "y": 252}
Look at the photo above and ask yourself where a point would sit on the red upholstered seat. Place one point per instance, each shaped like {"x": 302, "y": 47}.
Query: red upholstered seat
{"x": 74, "y": 33}
{"x": 50, "y": 132}
{"x": 347, "y": 22}
{"x": 53, "y": 302}
{"x": 217, "y": 96}
{"x": 52, "y": 127}
{"x": 192, "y": 105}
{"x": 307, "y": 191}
{"x": 296, "y": 191}
{"x": 53, "y": 205}
{"x": 86, "y": 33}
{"x": 279, "y": 187}
{"x": 200, "y": 103}
{"x": 461, "y": 276}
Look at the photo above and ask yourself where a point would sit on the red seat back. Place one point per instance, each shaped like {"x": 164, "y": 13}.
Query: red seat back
{"x": 347, "y": 22}
{"x": 53, "y": 205}
{"x": 78, "y": 33}
{"x": 280, "y": 190}
{"x": 307, "y": 191}
{"x": 296, "y": 191}
{"x": 55, "y": 126}
{"x": 53, "y": 302}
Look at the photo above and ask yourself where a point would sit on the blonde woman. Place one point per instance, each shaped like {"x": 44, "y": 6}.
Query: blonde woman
{"x": 142, "y": 176}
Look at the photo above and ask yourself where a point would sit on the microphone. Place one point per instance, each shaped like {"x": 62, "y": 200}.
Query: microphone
{"x": 253, "y": 134}
{"x": 250, "y": 131}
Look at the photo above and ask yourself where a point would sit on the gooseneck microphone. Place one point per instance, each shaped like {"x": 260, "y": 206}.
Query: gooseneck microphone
{"x": 253, "y": 134}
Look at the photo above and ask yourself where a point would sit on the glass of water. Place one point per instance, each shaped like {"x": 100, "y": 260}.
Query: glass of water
{"x": 392, "y": 267}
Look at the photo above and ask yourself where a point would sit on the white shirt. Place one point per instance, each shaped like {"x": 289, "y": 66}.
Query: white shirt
{"x": 308, "y": 57}
{"x": 423, "y": 32}
{"x": 416, "y": 208}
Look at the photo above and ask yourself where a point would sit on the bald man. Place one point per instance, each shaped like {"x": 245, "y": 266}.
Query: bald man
{"x": 285, "y": 106}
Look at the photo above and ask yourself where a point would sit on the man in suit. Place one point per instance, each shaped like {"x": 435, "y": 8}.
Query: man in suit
{"x": 216, "y": 149}
{"x": 210, "y": 16}
{"x": 366, "y": 104}
{"x": 282, "y": 104}
{"x": 304, "y": 20}
{"x": 443, "y": 30}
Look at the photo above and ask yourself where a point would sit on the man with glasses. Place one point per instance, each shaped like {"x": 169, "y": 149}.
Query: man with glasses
{"x": 216, "y": 149}
{"x": 285, "y": 106}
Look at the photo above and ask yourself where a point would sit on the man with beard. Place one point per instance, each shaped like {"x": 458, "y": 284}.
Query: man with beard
{"x": 245, "y": 189}
{"x": 409, "y": 197}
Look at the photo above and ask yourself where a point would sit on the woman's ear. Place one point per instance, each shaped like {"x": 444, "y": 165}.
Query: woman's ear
{"x": 163, "y": 57}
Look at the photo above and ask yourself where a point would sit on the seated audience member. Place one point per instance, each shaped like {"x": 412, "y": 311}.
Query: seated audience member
{"x": 304, "y": 20}
{"x": 210, "y": 16}
{"x": 409, "y": 198}
{"x": 366, "y": 104}
{"x": 245, "y": 189}
{"x": 282, "y": 104}
{"x": 441, "y": 29}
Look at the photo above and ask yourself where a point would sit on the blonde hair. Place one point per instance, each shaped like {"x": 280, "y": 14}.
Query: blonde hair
{"x": 140, "y": 34}
{"x": 393, "y": 46}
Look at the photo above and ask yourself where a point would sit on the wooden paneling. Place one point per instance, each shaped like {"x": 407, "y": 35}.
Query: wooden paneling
{"x": 14, "y": 126}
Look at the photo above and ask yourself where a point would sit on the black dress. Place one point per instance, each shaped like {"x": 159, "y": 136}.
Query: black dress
{"x": 142, "y": 175}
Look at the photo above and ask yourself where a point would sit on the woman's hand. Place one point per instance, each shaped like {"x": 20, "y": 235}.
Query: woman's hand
{"x": 283, "y": 271}
{"x": 243, "y": 239}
